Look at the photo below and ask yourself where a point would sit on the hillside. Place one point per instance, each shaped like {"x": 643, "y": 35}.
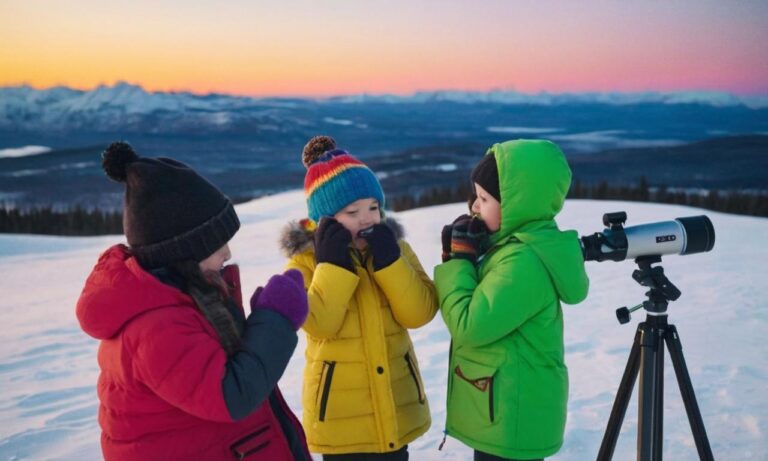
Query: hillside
{"x": 68, "y": 177}
{"x": 48, "y": 367}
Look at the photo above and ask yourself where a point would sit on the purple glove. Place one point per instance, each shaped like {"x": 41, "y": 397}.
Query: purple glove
{"x": 285, "y": 295}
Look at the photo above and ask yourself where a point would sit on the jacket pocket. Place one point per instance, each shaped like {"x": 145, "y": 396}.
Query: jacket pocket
{"x": 415, "y": 375}
{"x": 325, "y": 387}
{"x": 251, "y": 444}
{"x": 473, "y": 393}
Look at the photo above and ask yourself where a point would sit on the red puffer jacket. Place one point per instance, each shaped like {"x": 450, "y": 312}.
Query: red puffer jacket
{"x": 161, "y": 374}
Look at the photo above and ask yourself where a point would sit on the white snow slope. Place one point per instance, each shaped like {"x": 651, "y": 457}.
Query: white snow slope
{"x": 48, "y": 366}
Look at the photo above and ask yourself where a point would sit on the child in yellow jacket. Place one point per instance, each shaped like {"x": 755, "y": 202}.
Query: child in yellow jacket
{"x": 363, "y": 396}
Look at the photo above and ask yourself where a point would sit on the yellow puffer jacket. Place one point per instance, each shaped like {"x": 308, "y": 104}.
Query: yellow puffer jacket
{"x": 362, "y": 387}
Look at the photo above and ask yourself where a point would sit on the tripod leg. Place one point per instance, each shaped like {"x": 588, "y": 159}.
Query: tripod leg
{"x": 621, "y": 402}
{"x": 689, "y": 398}
{"x": 651, "y": 392}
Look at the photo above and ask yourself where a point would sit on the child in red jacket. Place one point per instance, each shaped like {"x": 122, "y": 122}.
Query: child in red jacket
{"x": 184, "y": 373}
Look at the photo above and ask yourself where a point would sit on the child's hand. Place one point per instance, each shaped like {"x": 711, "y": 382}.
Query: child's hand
{"x": 446, "y": 234}
{"x": 285, "y": 295}
{"x": 445, "y": 238}
{"x": 382, "y": 244}
{"x": 332, "y": 244}
{"x": 468, "y": 236}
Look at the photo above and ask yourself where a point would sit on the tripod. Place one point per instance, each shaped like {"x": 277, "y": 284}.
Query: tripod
{"x": 647, "y": 357}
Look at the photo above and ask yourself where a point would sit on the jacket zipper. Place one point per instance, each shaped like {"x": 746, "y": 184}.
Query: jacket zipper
{"x": 250, "y": 452}
{"x": 445, "y": 435}
{"x": 415, "y": 378}
{"x": 447, "y": 396}
{"x": 241, "y": 455}
{"x": 482, "y": 384}
{"x": 296, "y": 424}
{"x": 326, "y": 388}
{"x": 490, "y": 397}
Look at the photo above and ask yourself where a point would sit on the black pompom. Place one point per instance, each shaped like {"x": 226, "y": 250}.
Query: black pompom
{"x": 316, "y": 147}
{"x": 116, "y": 158}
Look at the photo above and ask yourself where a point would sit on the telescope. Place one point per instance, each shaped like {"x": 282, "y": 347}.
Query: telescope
{"x": 682, "y": 236}
{"x": 646, "y": 243}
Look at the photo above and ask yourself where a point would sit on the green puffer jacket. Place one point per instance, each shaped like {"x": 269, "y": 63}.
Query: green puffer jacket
{"x": 508, "y": 383}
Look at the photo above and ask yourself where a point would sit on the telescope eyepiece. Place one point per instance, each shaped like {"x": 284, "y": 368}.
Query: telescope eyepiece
{"x": 615, "y": 219}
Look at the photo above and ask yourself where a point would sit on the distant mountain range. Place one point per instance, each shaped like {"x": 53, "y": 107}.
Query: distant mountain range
{"x": 50, "y": 140}
{"x": 126, "y": 106}
{"x": 129, "y": 108}
{"x": 709, "y": 98}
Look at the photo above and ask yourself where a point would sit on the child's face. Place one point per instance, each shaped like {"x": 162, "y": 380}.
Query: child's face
{"x": 358, "y": 215}
{"x": 488, "y": 208}
{"x": 216, "y": 261}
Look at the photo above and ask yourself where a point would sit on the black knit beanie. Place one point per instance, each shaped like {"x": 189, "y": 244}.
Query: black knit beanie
{"x": 486, "y": 173}
{"x": 170, "y": 213}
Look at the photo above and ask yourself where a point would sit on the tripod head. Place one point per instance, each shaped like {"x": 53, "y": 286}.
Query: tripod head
{"x": 661, "y": 289}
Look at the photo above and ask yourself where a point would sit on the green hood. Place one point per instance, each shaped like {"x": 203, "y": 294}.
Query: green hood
{"x": 534, "y": 179}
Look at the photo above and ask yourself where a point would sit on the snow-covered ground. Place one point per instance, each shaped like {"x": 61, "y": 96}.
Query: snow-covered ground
{"x": 48, "y": 366}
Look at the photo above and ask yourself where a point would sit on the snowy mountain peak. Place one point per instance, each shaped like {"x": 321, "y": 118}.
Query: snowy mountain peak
{"x": 708, "y": 98}
{"x": 125, "y": 106}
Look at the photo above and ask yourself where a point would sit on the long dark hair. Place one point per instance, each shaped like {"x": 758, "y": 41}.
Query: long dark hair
{"x": 211, "y": 296}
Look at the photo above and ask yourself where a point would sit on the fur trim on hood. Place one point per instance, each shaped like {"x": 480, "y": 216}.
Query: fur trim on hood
{"x": 298, "y": 236}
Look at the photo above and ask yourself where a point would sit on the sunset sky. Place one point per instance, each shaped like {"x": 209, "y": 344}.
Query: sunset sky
{"x": 323, "y": 48}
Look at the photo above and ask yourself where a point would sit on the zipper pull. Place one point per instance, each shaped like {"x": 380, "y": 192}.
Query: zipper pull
{"x": 445, "y": 434}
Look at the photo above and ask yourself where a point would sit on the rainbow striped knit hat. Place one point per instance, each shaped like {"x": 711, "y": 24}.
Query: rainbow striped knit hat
{"x": 335, "y": 179}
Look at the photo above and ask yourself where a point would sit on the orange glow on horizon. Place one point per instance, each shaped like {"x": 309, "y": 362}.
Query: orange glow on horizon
{"x": 269, "y": 50}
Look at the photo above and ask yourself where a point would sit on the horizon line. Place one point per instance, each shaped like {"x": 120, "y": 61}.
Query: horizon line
{"x": 384, "y": 94}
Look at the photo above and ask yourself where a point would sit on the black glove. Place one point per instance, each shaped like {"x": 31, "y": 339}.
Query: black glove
{"x": 446, "y": 234}
{"x": 332, "y": 244}
{"x": 469, "y": 237}
{"x": 382, "y": 244}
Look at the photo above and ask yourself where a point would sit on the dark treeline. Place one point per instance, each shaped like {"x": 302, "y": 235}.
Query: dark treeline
{"x": 74, "y": 221}
{"x": 46, "y": 220}
{"x": 78, "y": 221}
{"x": 751, "y": 203}
{"x": 737, "y": 202}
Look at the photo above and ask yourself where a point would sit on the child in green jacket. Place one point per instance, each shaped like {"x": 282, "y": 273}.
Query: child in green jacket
{"x": 506, "y": 271}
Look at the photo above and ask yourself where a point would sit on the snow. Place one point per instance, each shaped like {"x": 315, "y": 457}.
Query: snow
{"x": 23, "y": 151}
{"x": 709, "y": 98}
{"x": 338, "y": 121}
{"x": 521, "y": 130}
{"x": 617, "y": 138}
{"x": 60, "y": 106}
{"x": 344, "y": 122}
{"x": 48, "y": 366}
{"x": 446, "y": 167}
{"x": 52, "y": 107}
